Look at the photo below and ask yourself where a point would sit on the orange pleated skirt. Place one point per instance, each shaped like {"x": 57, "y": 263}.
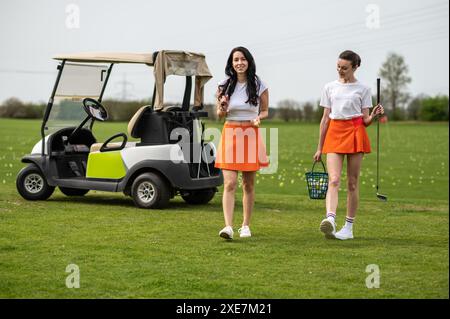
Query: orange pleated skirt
{"x": 346, "y": 137}
{"x": 241, "y": 148}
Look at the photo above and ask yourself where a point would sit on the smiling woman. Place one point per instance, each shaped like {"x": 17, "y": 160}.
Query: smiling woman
{"x": 243, "y": 99}
{"x": 346, "y": 104}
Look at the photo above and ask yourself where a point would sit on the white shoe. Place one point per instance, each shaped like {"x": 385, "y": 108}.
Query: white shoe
{"x": 245, "y": 232}
{"x": 328, "y": 227}
{"x": 344, "y": 233}
{"x": 226, "y": 232}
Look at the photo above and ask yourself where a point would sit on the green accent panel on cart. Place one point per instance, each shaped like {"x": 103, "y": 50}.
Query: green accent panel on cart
{"x": 105, "y": 165}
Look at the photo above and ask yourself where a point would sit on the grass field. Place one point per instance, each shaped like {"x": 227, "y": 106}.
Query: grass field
{"x": 125, "y": 252}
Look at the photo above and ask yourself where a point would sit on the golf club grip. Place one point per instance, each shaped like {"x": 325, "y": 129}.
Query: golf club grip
{"x": 378, "y": 90}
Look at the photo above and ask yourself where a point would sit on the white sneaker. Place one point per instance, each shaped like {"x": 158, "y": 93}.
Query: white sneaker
{"x": 344, "y": 233}
{"x": 226, "y": 232}
{"x": 244, "y": 232}
{"x": 328, "y": 227}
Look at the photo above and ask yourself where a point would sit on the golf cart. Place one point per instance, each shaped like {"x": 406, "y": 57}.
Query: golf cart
{"x": 168, "y": 158}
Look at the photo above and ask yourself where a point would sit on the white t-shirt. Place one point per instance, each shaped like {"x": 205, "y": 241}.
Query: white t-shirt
{"x": 346, "y": 100}
{"x": 238, "y": 109}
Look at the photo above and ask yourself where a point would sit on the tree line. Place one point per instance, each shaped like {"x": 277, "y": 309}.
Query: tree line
{"x": 420, "y": 108}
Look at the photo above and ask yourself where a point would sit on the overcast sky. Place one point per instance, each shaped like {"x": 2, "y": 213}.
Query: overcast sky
{"x": 295, "y": 43}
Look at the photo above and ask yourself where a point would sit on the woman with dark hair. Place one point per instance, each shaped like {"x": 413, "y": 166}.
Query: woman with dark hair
{"x": 243, "y": 100}
{"x": 346, "y": 104}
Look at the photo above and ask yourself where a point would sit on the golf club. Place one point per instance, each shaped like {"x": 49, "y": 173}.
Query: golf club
{"x": 380, "y": 196}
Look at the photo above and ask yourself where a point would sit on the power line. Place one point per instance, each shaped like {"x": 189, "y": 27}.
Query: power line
{"x": 336, "y": 40}
{"x": 392, "y": 21}
{"x": 356, "y": 41}
{"x": 371, "y": 45}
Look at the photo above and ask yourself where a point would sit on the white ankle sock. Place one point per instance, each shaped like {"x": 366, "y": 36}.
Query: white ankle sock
{"x": 331, "y": 215}
{"x": 349, "y": 223}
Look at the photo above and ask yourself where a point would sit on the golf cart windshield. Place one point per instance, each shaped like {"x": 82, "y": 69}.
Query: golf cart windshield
{"x": 77, "y": 82}
{"x": 165, "y": 63}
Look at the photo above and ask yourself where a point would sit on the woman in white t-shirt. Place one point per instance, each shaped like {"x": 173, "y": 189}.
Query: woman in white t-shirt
{"x": 243, "y": 99}
{"x": 346, "y": 104}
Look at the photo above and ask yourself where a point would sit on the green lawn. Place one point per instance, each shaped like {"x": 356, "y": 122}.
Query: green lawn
{"x": 125, "y": 252}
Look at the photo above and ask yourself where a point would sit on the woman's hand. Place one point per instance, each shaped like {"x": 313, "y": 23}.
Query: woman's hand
{"x": 377, "y": 111}
{"x": 318, "y": 156}
{"x": 222, "y": 106}
{"x": 223, "y": 103}
{"x": 256, "y": 122}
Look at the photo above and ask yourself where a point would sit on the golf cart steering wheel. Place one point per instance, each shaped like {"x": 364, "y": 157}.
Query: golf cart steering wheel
{"x": 94, "y": 109}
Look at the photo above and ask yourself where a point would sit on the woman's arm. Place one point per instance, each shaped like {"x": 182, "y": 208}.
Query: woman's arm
{"x": 263, "y": 108}
{"x": 369, "y": 117}
{"x": 324, "y": 123}
{"x": 264, "y": 105}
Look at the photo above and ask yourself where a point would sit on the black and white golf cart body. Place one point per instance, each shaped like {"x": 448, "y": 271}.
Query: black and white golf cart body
{"x": 169, "y": 157}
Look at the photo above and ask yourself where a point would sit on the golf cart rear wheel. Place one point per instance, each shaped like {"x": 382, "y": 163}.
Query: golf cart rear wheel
{"x": 32, "y": 184}
{"x": 198, "y": 197}
{"x": 150, "y": 191}
{"x": 73, "y": 191}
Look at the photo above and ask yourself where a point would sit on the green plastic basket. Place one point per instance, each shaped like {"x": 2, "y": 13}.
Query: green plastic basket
{"x": 317, "y": 183}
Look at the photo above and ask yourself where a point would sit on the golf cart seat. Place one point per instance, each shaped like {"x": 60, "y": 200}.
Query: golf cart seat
{"x": 149, "y": 126}
{"x": 145, "y": 124}
{"x": 96, "y": 147}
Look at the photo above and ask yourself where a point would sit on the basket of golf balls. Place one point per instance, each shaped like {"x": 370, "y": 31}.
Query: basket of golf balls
{"x": 317, "y": 183}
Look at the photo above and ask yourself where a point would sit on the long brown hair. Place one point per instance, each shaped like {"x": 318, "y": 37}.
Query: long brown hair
{"x": 253, "y": 82}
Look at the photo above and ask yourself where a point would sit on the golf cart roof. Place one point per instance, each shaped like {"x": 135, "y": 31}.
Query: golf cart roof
{"x": 165, "y": 62}
{"x": 110, "y": 57}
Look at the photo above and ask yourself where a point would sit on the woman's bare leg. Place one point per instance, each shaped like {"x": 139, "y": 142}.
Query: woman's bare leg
{"x": 334, "y": 165}
{"x": 228, "y": 199}
{"x": 248, "y": 186}
{"x": 353, "y": 170}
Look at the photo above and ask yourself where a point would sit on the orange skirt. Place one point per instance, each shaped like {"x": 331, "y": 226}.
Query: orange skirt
{"x": 346, "y": 137}
{"x": 241, "y": 148}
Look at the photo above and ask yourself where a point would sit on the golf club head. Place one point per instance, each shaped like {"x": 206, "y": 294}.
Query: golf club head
{"x": 382, "y": 197}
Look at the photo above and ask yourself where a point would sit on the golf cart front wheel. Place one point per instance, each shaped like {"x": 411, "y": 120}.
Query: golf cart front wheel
{"x": 150, "y": 191}
{"x": 32, "y": 184}
{"x": 73, "y": 191}
{"x": 198, "y": 197}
